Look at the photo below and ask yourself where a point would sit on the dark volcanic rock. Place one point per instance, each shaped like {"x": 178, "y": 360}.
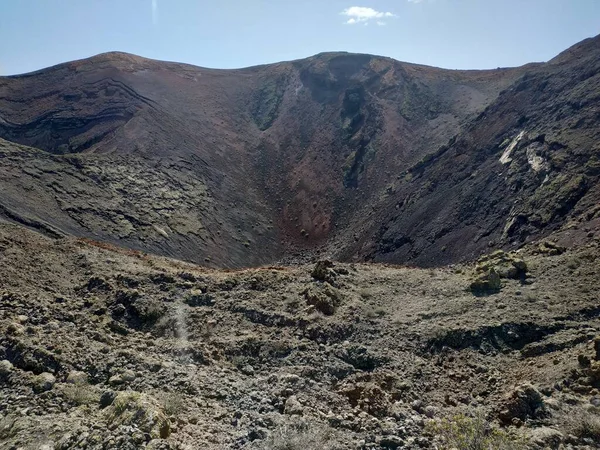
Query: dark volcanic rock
{"x": 356, "y": 156}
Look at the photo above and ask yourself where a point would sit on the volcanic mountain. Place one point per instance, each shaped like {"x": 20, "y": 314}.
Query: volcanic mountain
{"x": 116, "y": 169}
{"x": 358, "y": 157}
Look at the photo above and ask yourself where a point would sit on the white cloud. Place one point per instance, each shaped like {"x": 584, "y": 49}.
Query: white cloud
{"x": 154, "y": 12}
{"x": 358, "y": 14}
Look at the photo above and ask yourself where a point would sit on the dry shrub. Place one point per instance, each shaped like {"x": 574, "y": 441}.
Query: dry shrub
{"x": 9, "y": 427}
{"x": 473, "y": 433}
{"x": 172, "y": 403}
{"x": 586, "y": 424}
{"x": 80, "y": 394}
{"x": 302, "y": 436}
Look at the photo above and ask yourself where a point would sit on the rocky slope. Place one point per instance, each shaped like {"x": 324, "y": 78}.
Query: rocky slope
{"x": 111, "y": 165}
{"x": 526, "y": 166}
{"x": 106, "y": 348}
{"x": 235, "y": 168}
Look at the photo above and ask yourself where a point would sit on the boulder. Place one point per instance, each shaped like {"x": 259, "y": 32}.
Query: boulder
{"x": 293, "y": 406}
{"x": 593, "y": 372}
{"x": 122, "y": 378}
{"x": 491, "y": 269}
{"x": 546, "y": 437}
{"x": 550, "y": 248}
{"x": 197, "y": 297}
{"x": 107, "y": 398}
{"x": 487, "y": 282}
{"x": 324, "y": 298}
{"x": 505, "y": 264}
{"x": 524, "y": 402}
{"x": 368, "y": 396}
{"x": 391, "y": 441}
{"x": 6, "y": 369}
{"x": 128, "y": 375}
{"x": 323, "y": 271}
{"x": 15, "y": 329}
{"x": 43, "y": 382}
{"x": 77, "y": 377}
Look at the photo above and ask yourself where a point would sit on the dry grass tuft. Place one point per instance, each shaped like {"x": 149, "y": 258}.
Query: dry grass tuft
{"x": 302, "y": 436}
{"x": 586, "y": 424}
{"x": 473, "y": 433}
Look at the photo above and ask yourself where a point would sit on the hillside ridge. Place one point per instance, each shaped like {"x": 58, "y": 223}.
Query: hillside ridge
{"x": 345, "y": 155}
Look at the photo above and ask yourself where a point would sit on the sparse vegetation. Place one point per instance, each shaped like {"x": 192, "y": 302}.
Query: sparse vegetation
{"x": 373, "y": 312}
{"x": 172, "y": 403}
{"x": 573, "y": 263}
{"x": 473, "y": 433}
{"x": 259, "y": 352}
{"x": 586, "y": 424}
{"x": 136, "y": 408}
{"x": 80, "y": 394}
{"x": 301, "y": 436}
{"x": 9, "y": 427}
{"x": 123, "y": 402}
{"x": 369, "y": 334}
{"x": 149, "y": 311}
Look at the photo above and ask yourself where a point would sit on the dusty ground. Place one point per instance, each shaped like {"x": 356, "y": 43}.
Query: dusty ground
{"x": 110, "y": 348}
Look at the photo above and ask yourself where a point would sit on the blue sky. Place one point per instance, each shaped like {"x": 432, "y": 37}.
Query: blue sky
{"x": 238, "y": 33}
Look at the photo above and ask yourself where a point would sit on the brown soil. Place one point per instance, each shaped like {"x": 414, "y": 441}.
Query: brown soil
{"x": 224, "y": 352}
